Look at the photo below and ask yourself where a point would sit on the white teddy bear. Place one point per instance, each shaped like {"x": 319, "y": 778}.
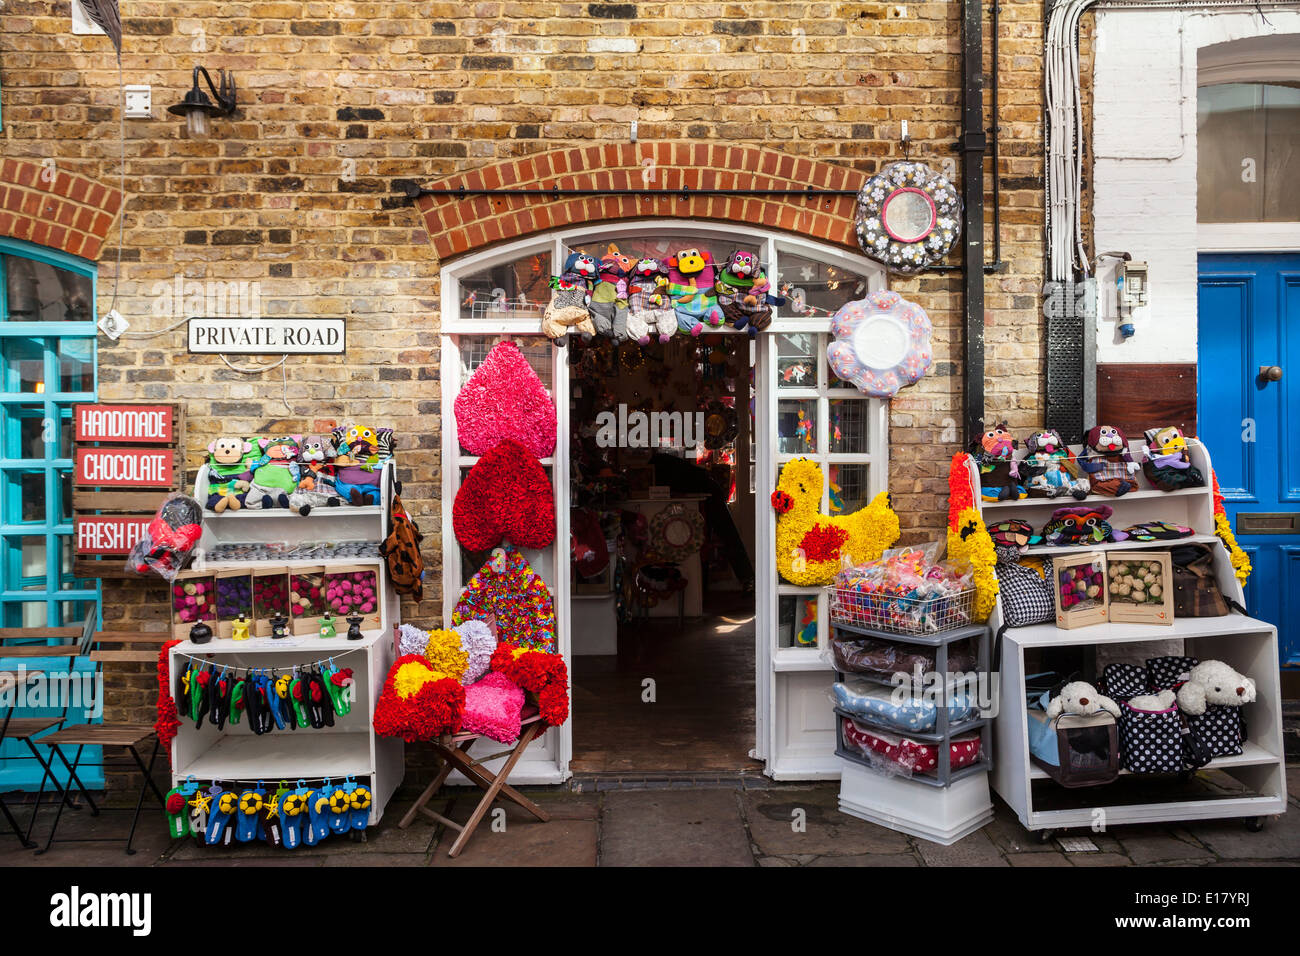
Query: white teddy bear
{"x": 1081, "y": 698}
{"x": 1214, "y": 683}
{"x": 1152, "y": 702}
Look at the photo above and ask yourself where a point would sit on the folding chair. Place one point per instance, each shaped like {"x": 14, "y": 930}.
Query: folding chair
{"x": 453, "y": 750}
{"x": 121, "y": 736}
{"x": 68, "y": 642}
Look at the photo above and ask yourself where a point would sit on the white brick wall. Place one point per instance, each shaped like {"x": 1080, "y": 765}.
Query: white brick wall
{"x": 1144, "y": 150}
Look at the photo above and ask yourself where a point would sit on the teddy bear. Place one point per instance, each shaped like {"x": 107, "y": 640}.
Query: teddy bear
{"x": 690, "y": 287}
{"x": 229, "y": 472}
{"x": 1081, "y": 698}
{"x": 648, "y": 315}
{"x": 568, "y": 310}
{"x": 1153, "y": 703}
{"x": 994, "y": 451}
{"x": 1165, "y": 463}
{"x": 316, "y": 476}
{"x": 275, "y": 473}
{"x": 609, "y": 298}
{"x": 744, "y": 293}
{"x": 1111, "y": 469}
{"x": 1051, "y": 467}
{"x": 1214, "y": 684}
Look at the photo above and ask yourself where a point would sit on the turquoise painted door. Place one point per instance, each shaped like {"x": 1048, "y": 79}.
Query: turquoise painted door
{"x": 1248, "y": 320}
{"x": 47, "y": 364}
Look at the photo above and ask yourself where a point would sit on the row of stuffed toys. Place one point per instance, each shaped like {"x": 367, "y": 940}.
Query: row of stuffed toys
{"x": 1105, "y": 466}
{"x": 298, "y": 472}
{"x": 632, "y": 299}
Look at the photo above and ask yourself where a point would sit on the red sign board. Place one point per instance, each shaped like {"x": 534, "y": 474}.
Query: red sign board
{"x": 102, "y": 534}
{"x": 125, "y": 467}
{"x": 147, "y": 424}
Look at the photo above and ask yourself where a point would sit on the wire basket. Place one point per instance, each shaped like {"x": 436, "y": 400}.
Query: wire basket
{"x": 900, "y": 614}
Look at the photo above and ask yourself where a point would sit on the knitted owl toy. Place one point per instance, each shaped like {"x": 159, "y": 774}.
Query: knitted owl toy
{"x": 275, "y": 475}
{"x": 648, "y": 316}
{"x": 230, "y": 460}
{"x": 1051, "y": 467}
{"x": 690, "y": 286}
{"x": 1081, "y": 525}
{"x": 1166, "y": 464}
{"x": 609, "y": 304}
{"x": 570, "y": 297}
{"x": 316, "y": 478}
{"x": 994, "y": 452}
{"x": 1111, "y": 469}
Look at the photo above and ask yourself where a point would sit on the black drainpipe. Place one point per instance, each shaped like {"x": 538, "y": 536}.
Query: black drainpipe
{"x": 973, "y": 144}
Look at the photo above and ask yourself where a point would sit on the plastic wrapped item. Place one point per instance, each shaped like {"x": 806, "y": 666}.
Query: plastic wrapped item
{"x": 866, "y": 655}
{"x": 306, "y": 599}
{"x": 194, "y": 599}
{"x": 895, "y": 708}
{"x": 234, "y": 601}
{"x": 270, "y": 598}
{"x": 169, "y": 539}
{"x": 906, "y": 591}
{"x": 894, "y": 754}
{"x": 353, "y": 590}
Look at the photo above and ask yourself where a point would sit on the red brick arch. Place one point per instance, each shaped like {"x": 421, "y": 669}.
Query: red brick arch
{"x": 55, "y": 208}
{"x": 458, "y": 225}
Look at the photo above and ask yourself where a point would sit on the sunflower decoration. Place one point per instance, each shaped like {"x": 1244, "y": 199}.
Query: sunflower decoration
{"x": 721, "y": 425}
{"x": 1223, "y": 528}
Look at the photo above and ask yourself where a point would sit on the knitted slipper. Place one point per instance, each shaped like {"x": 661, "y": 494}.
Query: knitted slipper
{"x": 293, "y": 816}
{"x": 224, "y": 805}
{"x": 277, "y": 692}
{"x": 219, "y": 700}
{"x": 200, "y": 806}
{"x": 298, "y": 700}
{"x": 318, "y": 827}
{"x": 175, "y": 806}
{"x": 199, "y": 691}
{"x": 339, "y": 683}
{"x": 359, "y": 800}
{"x": 320, "y": 707}
{"x": 250, "y": 809}
{"x": 255, "y": 703}
{"x": 340, "y": 810}
{"x": 237, "y": 702}
{"x": 269, "y": 819}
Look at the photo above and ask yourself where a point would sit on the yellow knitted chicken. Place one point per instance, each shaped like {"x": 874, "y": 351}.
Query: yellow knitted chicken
{"x": 811, "y": 546}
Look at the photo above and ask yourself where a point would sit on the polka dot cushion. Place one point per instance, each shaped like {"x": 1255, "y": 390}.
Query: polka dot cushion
{"x": 912, "y": 755}
{"x": 878, "y": 704}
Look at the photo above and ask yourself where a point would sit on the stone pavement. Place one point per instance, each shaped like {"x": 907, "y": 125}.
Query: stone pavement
{"x": 663, "y": 821}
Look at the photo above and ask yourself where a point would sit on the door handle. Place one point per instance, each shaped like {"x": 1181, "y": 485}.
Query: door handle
{"x": 1270, "y": 373}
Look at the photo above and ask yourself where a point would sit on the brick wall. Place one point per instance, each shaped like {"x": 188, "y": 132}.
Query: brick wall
{"x": 343, "y": 103}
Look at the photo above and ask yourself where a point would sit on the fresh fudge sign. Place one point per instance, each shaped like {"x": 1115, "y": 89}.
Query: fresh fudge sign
{"x": 146, "y": 424}
{"x": 125, "y": 467}
{"x": 104, "y": 534}
{"x": 278, "y": 336}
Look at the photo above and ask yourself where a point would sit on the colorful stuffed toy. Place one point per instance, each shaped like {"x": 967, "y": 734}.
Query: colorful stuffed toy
{"x": 994, "y": 453}
{"x": 275, "y": 473}
{"x": 648, "y": 315}
{"x": 229, "y": 472}
{"x": 1081, "y": 525}
{"x": 316, "y": 482}
{"x": 1111, "y": 468}
{"x": 358, "y": 468}
{"x": 1051, "y": 467}
{"x": 609, "y": 304}
{"x": 568, "y": 310}
{"x": 1166, "y": 465}
{"x": 744, "y": 294}
{"x": 690, "y": 287}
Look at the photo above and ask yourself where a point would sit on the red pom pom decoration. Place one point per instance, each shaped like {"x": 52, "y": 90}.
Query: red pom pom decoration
{"x": 505, "y": 496}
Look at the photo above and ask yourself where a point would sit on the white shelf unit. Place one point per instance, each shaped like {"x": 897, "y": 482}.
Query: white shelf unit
{"x": 350, "y": 747}
{"x": 1258, "y": 775}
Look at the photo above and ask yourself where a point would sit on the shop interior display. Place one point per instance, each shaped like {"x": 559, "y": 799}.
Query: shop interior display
{"x": 1175, "y": 538}
{"x": 882, "y": 343}
{"x": 908, "y": 217}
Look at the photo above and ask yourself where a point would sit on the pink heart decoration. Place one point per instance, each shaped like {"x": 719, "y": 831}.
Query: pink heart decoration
{"x": 504, "y": 398}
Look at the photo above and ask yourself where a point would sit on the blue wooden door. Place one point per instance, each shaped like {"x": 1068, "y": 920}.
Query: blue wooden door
{"x": 1248, "y": 320}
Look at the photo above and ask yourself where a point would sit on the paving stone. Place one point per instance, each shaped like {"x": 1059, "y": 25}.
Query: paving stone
{"x": 1099, "y": 859}
{"x": 867, "y": 859}
{"x": 673, "y": 828}
{"x": 287, "y": 858}
{"x": 1038, "y": 859}
{"x": 1230, "y": 840}
{"x": 532, "y": 843}
{"x": 973, "y": 850}
{"x": 1007, "y": 833}
{"x": 828, "y": 831}
{"x": 1145, "y": 845}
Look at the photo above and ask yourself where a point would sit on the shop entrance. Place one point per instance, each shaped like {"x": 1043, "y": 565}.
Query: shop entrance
{"x": 687, "y": 654}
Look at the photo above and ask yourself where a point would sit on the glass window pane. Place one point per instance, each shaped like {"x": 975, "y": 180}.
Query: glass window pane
{"x": 796, "y": 360}
{"x": 77, "y": 364}
{"x": 1248, "y": 152}
{"x": 796, "y": 426}
{"x": 39, "y": 292}
{"x": 24, "y": 496}
{"x": 516, "y": 289}
{"x": 850, "y": 487}
{"x": 797, "y": 620}
{"x": 850, "y": 432}
{"x": 24, "y": 365}
{"x": 817, "y": 289}
{"x": 63, "y": 507}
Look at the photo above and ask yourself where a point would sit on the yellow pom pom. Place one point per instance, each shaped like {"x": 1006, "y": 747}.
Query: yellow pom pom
{"x": 445, "y": 654}
{"x": 411, "y": 676}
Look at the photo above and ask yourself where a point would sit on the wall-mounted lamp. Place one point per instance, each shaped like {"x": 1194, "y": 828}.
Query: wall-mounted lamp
{"x": 197, "y": 107}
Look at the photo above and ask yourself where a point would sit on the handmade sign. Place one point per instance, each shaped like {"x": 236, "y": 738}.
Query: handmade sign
{"x": 908, "y": 217}
{"x": 882, "y": 343}
{"x": 146, "y": 424}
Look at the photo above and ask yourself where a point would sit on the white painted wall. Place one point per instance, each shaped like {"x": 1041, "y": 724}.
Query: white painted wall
{"x": 1144, "y": 151}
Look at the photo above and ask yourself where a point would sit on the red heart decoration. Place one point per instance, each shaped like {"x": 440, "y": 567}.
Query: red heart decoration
{"x": 505, "y": 496}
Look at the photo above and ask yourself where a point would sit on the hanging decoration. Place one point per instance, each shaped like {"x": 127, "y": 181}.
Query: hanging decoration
{"x": 721, "y": 425}
{"x": 503, "y": 399}
{"x": 882, "y": 343}
{"x": 676, "y": 532}
{"x": 810, "y": 546}
{"x": 908, "y": 217}
{"x": 168, "y": 721}
{"x": 506, "y": 589}
{"x": 969, "y": 539}
{"x": 1241, "y": 567}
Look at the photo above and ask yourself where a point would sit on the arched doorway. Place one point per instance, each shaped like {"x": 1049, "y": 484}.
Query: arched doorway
{"x": 787, "y": 403}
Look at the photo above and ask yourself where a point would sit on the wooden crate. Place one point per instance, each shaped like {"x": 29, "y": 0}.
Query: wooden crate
{"x": 108, "y": 515}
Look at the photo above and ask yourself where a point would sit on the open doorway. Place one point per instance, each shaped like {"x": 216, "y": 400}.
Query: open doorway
{"x": 663, "y": 527}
